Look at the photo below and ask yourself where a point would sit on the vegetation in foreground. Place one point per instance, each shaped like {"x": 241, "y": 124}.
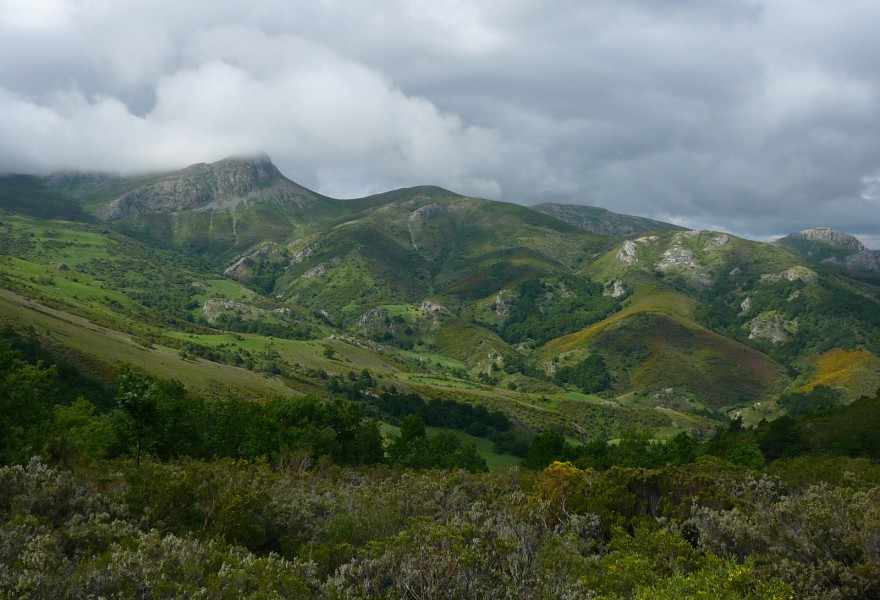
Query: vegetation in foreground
{"x": 152, "y": 495}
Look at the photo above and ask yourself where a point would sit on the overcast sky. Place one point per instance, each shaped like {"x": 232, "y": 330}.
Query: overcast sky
{"x": 754, "y": 117}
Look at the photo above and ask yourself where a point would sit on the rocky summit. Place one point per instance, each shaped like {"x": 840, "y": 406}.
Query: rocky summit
{"x": 827, "y": 234}
{"x": 832, "y": 247}
{"x": 221, "y": 185}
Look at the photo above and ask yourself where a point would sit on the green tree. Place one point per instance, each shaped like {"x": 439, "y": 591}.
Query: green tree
{"x": 137, "y": 407}
{"x": 546, "y": 447}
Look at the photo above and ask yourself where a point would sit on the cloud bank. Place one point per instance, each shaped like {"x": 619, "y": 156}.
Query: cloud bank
{"x": 757, "y": 117}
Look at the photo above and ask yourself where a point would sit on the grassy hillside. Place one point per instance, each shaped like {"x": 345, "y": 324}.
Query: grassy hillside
{"x": 229, "y": 274}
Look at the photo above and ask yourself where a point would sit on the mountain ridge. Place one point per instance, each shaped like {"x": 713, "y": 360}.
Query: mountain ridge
{"x": 444, "y": 295}
{"x": 832, "y": 247}
{"x": 603, "y": 221}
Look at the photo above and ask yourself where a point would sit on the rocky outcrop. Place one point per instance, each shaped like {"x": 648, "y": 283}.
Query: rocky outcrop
{"x": 315, "y": 272}
{"x": 375, "y": 321}
{"x": 826, "y": 234}
{"x": 215, "y": 307}
{"x": 428, "y": 211}
{"x": 628, "y": 253}
{"x": 677, "y": 257}
{"x": 715, "y": 240}
{"x": 614, "y": 289}
{"x": 306, "y": 252}
{"x": 241, "y": 266}
{"x": 793, "y": 274}
{"x": 866, "y": 260}
{"x": 502, "y": 309}
{"x": 222, "y": 186}
{"x": 771, "y": 326}
{"x": 431, "y": 310}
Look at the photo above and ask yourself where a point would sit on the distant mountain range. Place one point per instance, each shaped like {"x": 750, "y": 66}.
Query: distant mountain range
{"x": 563, "y": 315}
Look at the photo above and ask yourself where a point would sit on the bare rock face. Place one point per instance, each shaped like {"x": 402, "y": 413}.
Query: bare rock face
{"x": 315, "y": 272}
{"x": 826, "y": 234}
{"x": 771, "y": 326}
{"x": 428, "y": 211}
{"x": 629, "y": 253}
{"x": 677, "y": 257}
{"x": 746, "y": 305}
{"x": 215, "y": 307}
{"x": 866, "y": 260}
{"x": 717, "y": 239}
{"x": 432, "y": 310}
{"x": 242, "y": 266}
{"x": 306, "y": 252}
{"x": 221, "y": 185}
{"x": 614, "y": 289}
{"x": 793, "y": 274}
{"x": 375, "y": 321}
{"x": 502, "y": 309}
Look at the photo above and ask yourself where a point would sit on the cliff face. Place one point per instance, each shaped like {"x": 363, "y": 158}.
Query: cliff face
{"x": 826, "y": 234}
{"x": 220, "y": 185}
{"x": 832, "y": 247}
{"x": 866, "y": 260}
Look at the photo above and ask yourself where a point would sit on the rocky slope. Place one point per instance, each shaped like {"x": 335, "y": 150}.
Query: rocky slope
{"x": 832, "y": 236}
{"x": 602, "y": 221}
{"x": 829, "y": 246}
{"x": 225, "y": 184}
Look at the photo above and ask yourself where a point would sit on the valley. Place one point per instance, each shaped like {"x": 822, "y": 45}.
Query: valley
{"x": 231, "y": 277}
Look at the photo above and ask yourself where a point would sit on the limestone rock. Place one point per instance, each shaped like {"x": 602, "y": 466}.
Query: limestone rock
{"x": 315, "y": 272}
{"x": 215, "y": 307}
{"x": 793, "y": 274}
{"x": 771, "y": 326}
{"x": 826, "y": 234}
{"x": 677, "y": 257}
{"x": 866, "y": 260}
{"x": 375, "y": 320}
{"x": 223, "y": 185}
{"x": 432, "y": 310}
{"x": 306, "y": 252}
{"x": 502, "y": 309}
{"x": 428, "y": 211}
{"x": 628, "y": 253}
{"x": 242, "y": 265}
{"x": 615, "y": 289}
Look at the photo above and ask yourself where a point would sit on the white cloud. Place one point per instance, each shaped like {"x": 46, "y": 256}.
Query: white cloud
{"x": 760, "y": 114}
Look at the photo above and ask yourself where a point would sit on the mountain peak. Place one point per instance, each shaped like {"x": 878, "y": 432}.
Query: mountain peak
{"x": 247, "y": 158}
{"x": 827, "y": 234}
{"x": 222, "y": 183}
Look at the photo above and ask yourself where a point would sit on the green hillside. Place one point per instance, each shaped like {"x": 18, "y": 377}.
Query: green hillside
{"x": 230, "y": 274}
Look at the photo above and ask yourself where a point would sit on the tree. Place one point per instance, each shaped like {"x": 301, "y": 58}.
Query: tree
{"x": 784, "y": 439}
{"x": 547, "y": 447}
{"x": 590, "y": 375}
{"x": 411, "y": 428}
{"x": 137, "y": 404}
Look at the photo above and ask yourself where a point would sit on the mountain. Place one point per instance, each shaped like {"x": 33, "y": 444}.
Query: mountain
{"x": 230, "y": 276}
{"x": 603, "y": 221}
{"x": 224, "y": 185}
{"x": 832, "y": 247}
{"x": 210, "y": 209}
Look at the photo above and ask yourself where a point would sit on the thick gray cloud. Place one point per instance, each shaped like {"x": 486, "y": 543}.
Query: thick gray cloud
{"x": 757, "y": 117}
